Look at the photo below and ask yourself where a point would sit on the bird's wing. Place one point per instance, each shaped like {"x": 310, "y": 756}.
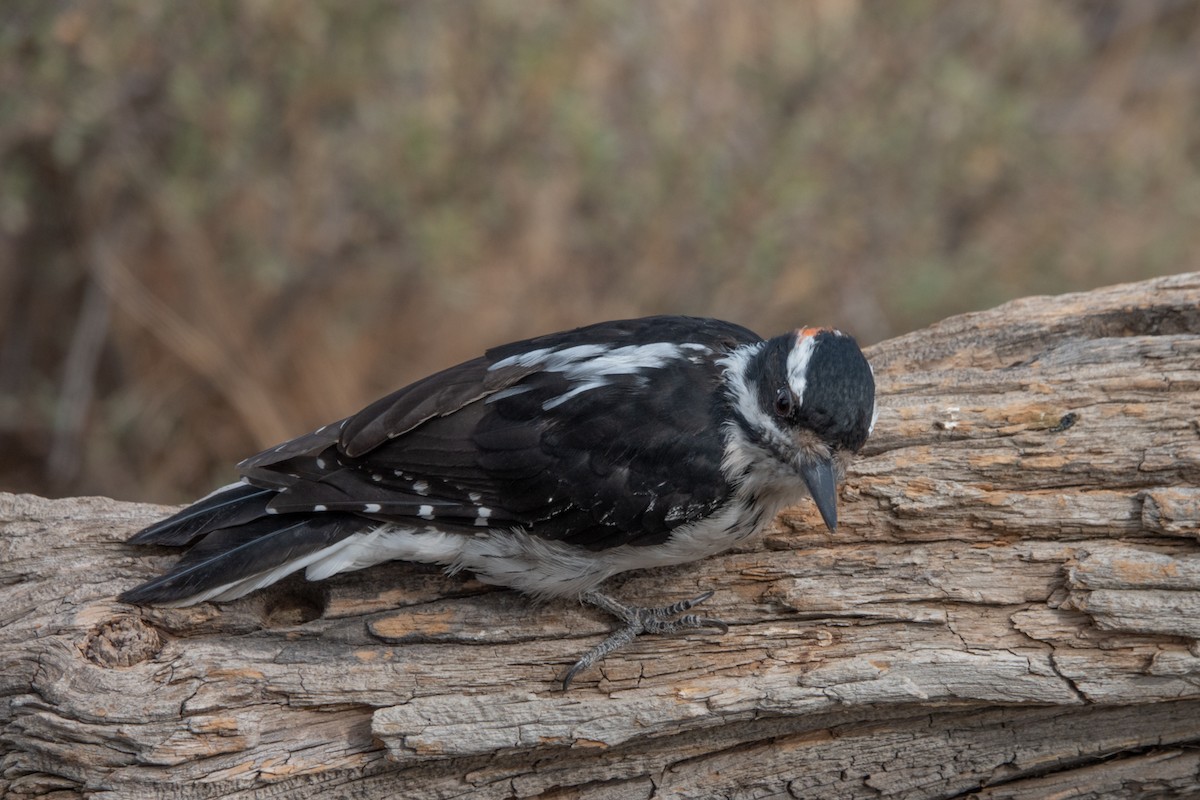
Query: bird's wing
{"x": 601, "y": 436}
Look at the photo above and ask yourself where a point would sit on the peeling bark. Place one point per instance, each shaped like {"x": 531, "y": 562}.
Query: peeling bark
{"x": 1010, "y": 609}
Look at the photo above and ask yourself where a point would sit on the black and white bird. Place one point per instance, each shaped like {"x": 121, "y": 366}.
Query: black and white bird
{"x": 547, "y": 466}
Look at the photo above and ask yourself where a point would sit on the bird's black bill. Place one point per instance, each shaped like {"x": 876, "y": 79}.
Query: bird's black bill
{"x": 822, "y": 486}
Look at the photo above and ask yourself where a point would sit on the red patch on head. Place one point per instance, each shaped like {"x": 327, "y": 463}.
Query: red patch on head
{"x": 804, "y": 333}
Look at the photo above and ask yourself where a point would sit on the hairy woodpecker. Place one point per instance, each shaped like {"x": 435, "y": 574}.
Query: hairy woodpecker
{"x": 546, "y": 465}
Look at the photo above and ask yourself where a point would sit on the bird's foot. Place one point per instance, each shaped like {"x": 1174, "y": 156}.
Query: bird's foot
{"x": 639, "y": 620}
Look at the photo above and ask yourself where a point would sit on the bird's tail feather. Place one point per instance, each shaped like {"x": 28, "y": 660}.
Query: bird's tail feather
{"x": 227, "y": 507}
{"x": 241, "y": 546}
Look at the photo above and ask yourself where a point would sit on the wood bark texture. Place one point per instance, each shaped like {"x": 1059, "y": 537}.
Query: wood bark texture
{"x": 1010, "y": 608}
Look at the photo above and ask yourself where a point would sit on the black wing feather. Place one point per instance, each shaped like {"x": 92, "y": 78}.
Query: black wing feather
{"x": 294, "y": 458}
{"x": 440, "y": 394}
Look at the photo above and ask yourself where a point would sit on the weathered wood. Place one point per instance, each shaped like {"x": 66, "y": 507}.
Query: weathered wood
{"x": 1011, "y": 606}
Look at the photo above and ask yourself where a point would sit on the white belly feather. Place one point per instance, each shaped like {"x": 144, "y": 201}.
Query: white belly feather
{"x": 534, "y": 565}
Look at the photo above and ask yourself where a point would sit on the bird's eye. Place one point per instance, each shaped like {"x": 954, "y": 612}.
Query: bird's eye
{"x": 784, "y": 403}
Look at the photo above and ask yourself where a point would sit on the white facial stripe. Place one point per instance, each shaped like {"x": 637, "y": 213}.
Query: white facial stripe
{"x": 744, "y": 396}
{"x": 759, "y": 463}
{"x": 797, "y": 365}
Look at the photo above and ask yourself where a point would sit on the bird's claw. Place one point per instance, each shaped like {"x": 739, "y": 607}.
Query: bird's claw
{"x": 638, "y": 620}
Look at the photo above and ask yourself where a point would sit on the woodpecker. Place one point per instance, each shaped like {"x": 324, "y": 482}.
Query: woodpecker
{"x": 546, "y": 466}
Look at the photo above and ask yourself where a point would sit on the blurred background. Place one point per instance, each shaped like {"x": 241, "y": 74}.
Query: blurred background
{"x": 225, "y": 223}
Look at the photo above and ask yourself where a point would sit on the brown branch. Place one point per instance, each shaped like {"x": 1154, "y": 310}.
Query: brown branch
{"x": 1011, "y": 605}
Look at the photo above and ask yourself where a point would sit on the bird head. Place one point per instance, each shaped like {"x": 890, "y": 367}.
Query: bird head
{"x": 803, "y": 403}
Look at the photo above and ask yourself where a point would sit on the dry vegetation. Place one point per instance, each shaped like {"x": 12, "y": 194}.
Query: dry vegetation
{"x": 223, "y": 223}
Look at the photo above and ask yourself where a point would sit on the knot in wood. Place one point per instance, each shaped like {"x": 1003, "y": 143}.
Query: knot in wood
{"x": 122, "y": 642}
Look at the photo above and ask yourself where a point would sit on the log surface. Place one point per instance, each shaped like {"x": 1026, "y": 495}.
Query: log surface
{"x": 1010, "y": 609}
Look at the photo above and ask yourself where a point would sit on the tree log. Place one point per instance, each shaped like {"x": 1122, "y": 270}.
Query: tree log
{"x": 1010, "y": 608}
